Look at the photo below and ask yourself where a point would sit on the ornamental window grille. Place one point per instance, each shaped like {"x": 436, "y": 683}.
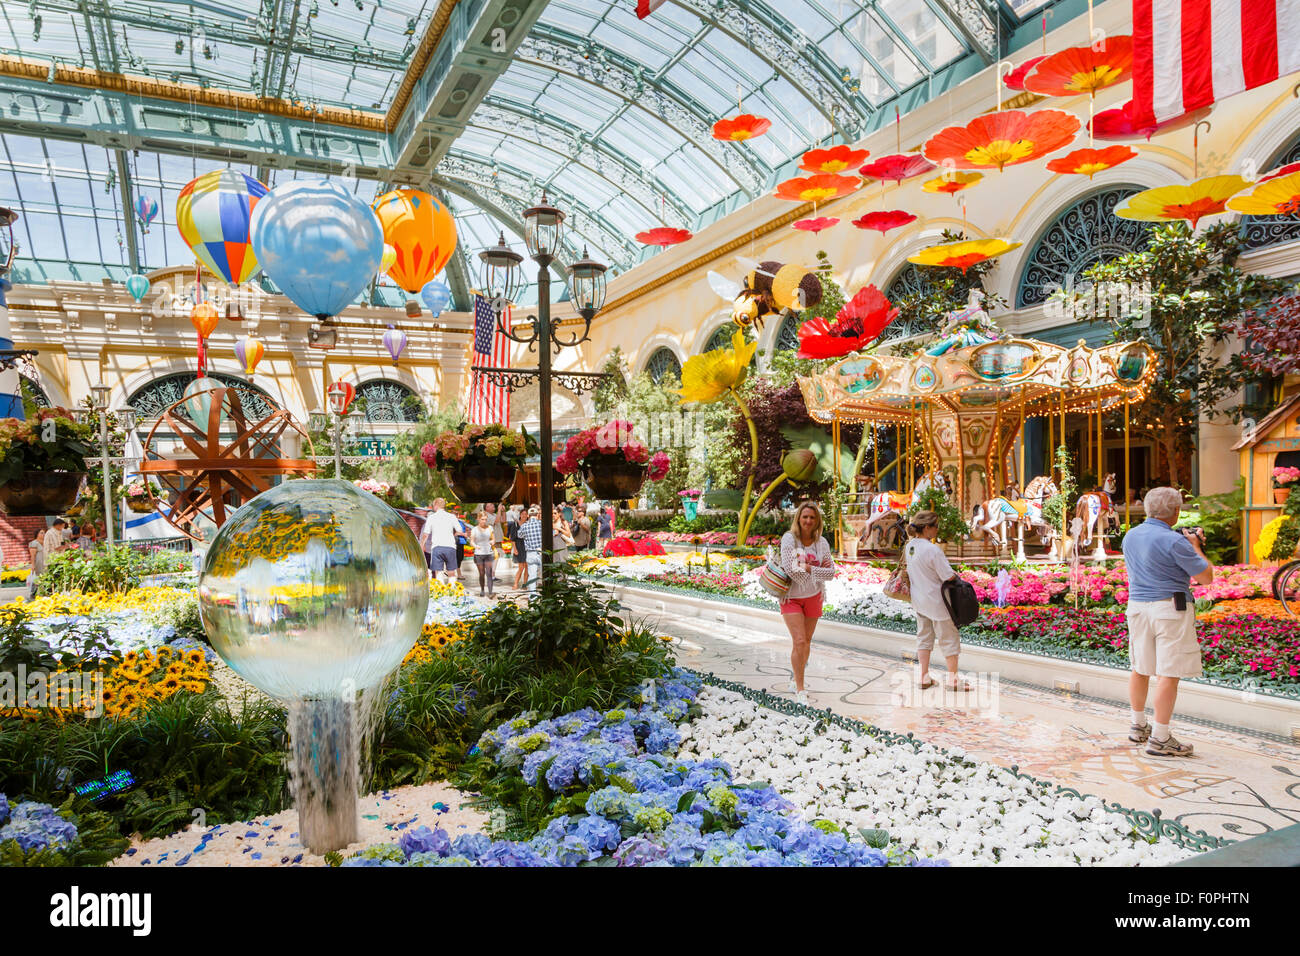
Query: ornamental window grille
{"x": 721, "y": 337}
{"x": 1257, "y": 232}
{"x": 908, "y": 284}
{"x": 663, "y": 362}
{"x": 1084, "y": 234}
{"x": 386, "y": 402}
{"x": 156, "y": 397}
{"x": 787, "y": 336}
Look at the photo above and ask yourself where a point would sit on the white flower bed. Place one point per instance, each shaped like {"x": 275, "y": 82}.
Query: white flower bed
{"x": 846, "y": 595}
{"x": 934, "y": 804}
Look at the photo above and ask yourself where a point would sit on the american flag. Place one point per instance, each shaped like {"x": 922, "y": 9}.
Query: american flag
{"x": 646, "y": 7}
{"x": 488, "y": 403}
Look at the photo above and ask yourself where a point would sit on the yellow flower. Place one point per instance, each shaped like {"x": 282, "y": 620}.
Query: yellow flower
{"x": 710, "y": 376}
{"x": 1268, "y": 537}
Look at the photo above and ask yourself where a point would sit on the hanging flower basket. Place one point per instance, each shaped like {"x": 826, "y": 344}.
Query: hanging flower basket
{"x": 40, "y": 493}
{"x": 141, "y": 506}
{"x": 480, "y": 482}
{"x": 615, "y": 478}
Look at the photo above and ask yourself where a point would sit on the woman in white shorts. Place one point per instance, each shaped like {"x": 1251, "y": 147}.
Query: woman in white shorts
{"x": 927, "y": 569}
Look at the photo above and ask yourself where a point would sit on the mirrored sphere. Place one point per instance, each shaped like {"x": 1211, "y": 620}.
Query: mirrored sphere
{"x": 312, "y": 589}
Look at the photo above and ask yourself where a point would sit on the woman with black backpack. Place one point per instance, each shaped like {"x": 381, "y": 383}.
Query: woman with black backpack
{"x": 927, "y": 570}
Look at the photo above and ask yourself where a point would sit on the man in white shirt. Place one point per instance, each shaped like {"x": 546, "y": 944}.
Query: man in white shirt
{"x": 56, "y": 538}
{"x": 438, "y": 538}
{"x": 927, "y": 569}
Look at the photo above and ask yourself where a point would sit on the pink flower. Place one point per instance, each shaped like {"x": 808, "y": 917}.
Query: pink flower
{"x": 429, "y": 454}
{"x": 659, "y": 465}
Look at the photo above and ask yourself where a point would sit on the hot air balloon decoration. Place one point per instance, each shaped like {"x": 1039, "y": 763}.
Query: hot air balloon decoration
{"x": 214, "y": 215}
{"x": 436, "y": 296}
{"x": 146, "y": 210}
{"x": 395, "y": 342}
{"x": 137, "y": 286}
{"x": 421, "y": 230}
{"x": 320, "y": 244}
{"x": 248, "y": 352}
{"x": 204, "y": 318}
{"x": 388, "y": 258}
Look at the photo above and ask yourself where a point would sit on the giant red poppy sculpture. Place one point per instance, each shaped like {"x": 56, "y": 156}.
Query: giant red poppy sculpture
{"x": 836, "y": 159}
{"x": 1089, "y": 162}
{"x": 1117, "y": 123}
{"x": 1001, "y": 139}
{"x": 1015, "y": 80}
{"x": 663, "y": 236}
{"x": 897, "y": 167}
{"x": 951, "y": 183}
{"x": 816, "y": 224}
{"x": 1275, "y": 196}
{"x": 885, "y": 220}
{"x": 962, "y": 254}
{"x": 820, "y": 188}
{"x": 857, "y": 324}
{"x": 1190, "y": 201}
{"x": 737, "y": 129}
{"x": 1083, "y": 69}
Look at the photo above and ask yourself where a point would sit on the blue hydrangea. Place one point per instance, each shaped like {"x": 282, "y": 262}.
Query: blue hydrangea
{"x": 4, "y": 808}
{"x": 424, "y": 840}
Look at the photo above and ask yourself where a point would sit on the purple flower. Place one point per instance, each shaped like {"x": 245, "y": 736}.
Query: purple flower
{"x": 424, "y": 840}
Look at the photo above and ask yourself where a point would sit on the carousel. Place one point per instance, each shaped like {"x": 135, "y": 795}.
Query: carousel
{"x": 959, "y": 404}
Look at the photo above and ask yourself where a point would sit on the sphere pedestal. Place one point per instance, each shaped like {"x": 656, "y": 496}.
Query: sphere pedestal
{"x": 324, "y": 772}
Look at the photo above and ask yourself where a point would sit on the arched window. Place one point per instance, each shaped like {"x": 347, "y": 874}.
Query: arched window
{"x": 908, "y": 284}
{"x": 385, "y": 402}
{"x": 661, "y": 363}
{"x": 153, "y": 399}
{"x": 1260, "y": 231}
{"x": 721, "y": 337}
{"x": 787, "y": 336}
{"x": 1084, "y": 234}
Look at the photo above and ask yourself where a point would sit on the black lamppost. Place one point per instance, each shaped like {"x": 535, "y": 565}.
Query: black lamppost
{"x": 501, "y": 278}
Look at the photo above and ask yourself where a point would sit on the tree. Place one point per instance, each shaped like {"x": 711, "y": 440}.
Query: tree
{"x": 1186, "y": 297}
{"x": 1271, "y": 337}
{"x": 613, "y": 389}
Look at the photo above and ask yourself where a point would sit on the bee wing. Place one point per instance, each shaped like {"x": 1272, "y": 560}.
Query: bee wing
{"x": 726, "y": 289}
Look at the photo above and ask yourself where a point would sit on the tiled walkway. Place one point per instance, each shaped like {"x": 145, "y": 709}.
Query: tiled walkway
{"x": 1238, "y": 785}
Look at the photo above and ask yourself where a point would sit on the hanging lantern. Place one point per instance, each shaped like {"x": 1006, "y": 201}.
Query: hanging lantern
{"x": 204, "y": 318}
{"x": 137, "y": 286}
{"x": 340, "y": 396}
{"x": 248, "y": 352}
{"x": 395, "y": 342}
{"x": 436, "y": 296}
{"x": 146, "y": 210}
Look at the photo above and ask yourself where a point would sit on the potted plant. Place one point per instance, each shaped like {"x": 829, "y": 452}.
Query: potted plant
{"x": 1284, "y": 479}
{"x": 42, "y": 462}
{"x": 613, "y": 461}
{"x": 479, "y": 462}
{"x": 141, "y": 495}
{"x": 690, "y": 502}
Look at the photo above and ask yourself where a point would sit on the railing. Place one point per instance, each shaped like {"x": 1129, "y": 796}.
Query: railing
{"x": 166, "y": 544}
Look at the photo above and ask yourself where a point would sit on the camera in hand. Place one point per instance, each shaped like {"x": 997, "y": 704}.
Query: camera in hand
{"x": 1194, "y": 533}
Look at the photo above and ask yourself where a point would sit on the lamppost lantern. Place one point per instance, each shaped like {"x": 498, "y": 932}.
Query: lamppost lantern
{"x": 356, "y": 418}
{"x": 587, "y": 286}
{"x": 126, "y": 418}
{"x": 543, "y": 229}
{"x": 499, "y": 274}
{"x": 317, "y": 420}
{"x": 340, "y": 396}
{"x": 100, "y": 393}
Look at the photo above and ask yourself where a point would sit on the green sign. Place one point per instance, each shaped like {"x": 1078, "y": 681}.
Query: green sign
{"x": 374, "y": 447}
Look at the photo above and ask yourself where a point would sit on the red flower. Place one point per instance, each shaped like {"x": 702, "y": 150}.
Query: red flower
{"x": 738, "y": 128}
{"x": 429, "y": 454}
{"x": 815, "y": 225}
{"x": 882, "y": 222}
{"x": 856, "y": 326}
{"x": 663, "y": 236}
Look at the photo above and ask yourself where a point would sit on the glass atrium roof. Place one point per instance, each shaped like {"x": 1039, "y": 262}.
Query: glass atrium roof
{"x": 609, "y": 113}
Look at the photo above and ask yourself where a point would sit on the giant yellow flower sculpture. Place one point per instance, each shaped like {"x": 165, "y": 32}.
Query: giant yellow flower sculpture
{"x": 711, "y": 375}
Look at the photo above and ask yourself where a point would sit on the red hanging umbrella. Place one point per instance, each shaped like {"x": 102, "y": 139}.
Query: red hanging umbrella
{"x": 882, "y": 222}
{"x": 1015, "y": 80}
{"x": 815, "y": 225}
{"x": 1089, "y": 162}
{"x": 736, "y": 129}
{"x": 836, "y": 159}
{"x": 662, "y": 236}
{"x": 1083, "y": 69}
{"x": 897, "y": 167}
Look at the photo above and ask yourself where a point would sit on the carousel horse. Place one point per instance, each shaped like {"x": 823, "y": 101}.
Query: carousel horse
{"x": 889, "y": 533}
{"x": 888, "y": 502}
{"x": 993, "y": 517}
{"x": 1095, "y": 509}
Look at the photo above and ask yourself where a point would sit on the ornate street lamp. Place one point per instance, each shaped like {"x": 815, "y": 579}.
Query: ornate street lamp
{"x": 501, "y": 278}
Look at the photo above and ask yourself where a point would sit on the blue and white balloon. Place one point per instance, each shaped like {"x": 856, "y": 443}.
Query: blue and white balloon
{"x": 318, "y": 243}
{"x": 138, "y": 286}
{"x": 436, "y": 296}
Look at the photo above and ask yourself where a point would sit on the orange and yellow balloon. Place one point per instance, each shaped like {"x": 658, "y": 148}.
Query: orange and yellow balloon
{"x": 421, "y": 230}
{"x": 204, "y": 318}
{"x": 248, "y": 352}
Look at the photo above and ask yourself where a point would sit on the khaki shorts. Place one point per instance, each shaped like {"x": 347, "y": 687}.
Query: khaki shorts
{"x": 1162, "y": 640}
{"x": 928, "y": 630}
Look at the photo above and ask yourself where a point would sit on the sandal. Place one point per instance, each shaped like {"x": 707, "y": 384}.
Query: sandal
{"x": 928, "y": 683}
{"x": 962, "y": 689}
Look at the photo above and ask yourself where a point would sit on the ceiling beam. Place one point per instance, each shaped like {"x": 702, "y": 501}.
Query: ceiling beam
{"x": 127, "y": 186}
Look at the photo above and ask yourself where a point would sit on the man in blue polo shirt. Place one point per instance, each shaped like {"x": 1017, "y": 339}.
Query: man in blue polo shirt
{"x": 1162, "y": 616}
{"x": 531, "y": 534}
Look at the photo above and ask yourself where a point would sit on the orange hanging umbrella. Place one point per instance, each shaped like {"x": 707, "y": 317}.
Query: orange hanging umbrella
{"x": 817, "y": 189}
{"x": 1000, "y": 139}
{"x": 951, "y": 183}
{"x": 1275, "y": 196}
{"x": 1083, "y": 69}
{"x": 1191, "y": 201}
{"x": 1089, "y": 162}
{"x": 897, "y": 167}
{"x": 962, "y": 254}
{"x": 836, "y": 159}
{"x": 663, "y": 236}
{"x": 736, "y": 129}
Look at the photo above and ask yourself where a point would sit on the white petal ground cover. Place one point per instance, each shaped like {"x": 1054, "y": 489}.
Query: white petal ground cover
{"x": 935, "y": 803}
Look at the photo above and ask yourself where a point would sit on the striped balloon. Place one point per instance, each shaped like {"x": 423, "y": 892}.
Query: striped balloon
{"x": 395, "y": 342}
{"x": 138, "y": 286}
{"x": 146, "y": 209}
{"x": 213, "y": 214}
{"x": 248, "y": 352}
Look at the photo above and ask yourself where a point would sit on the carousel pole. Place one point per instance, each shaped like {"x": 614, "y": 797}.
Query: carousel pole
{"x": 1128, "y": 521}
{"x": 1020, "y": 530}
{"x": 835, "y": 442}
{"x": 1065, "y": 505}
{"x": 875, "y": 459}
{"x": 1099, "y": 553}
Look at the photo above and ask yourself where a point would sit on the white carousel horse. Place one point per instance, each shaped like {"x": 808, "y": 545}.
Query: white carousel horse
{"x": 1095, "y": 509}
{"x": 889, "y": 502}
{"x": 994, "y": 516}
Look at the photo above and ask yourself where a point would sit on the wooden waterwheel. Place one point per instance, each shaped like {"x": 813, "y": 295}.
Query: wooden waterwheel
{"x": 219, "y": 474}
